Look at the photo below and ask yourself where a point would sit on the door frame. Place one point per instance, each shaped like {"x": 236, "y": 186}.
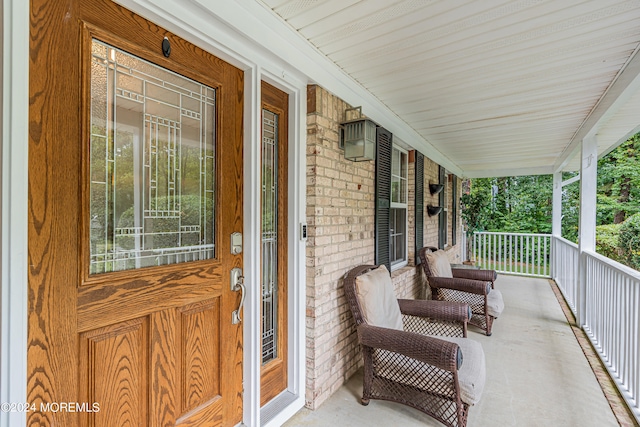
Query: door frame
{"x": 289, "y": 402}
{"x": 14, "y": 205}
{"x": 213, "y": 34}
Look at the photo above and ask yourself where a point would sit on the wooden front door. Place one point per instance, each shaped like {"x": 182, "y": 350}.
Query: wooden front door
{"x": 274, "y": 254}
{"x": 135, "y": 188}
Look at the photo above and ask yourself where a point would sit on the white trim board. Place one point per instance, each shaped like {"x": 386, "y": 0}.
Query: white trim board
{"x": 15, "y": 165}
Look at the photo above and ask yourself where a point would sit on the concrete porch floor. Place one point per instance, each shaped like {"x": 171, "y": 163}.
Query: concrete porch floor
{"x": 537, "y": 375}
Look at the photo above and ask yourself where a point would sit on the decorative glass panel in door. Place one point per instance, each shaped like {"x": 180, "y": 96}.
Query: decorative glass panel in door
{"x": 274, "y": 254}
{"x": 152, "y": 164}
{"x": 269, "y": 236}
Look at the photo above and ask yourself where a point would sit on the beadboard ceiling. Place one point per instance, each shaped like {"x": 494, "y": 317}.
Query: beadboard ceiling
{"x": 496, "y": 87}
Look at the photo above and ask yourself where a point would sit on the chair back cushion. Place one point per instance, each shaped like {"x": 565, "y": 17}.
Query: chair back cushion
{"x": 439, "y": 264}
{"x": 377, "y": 299}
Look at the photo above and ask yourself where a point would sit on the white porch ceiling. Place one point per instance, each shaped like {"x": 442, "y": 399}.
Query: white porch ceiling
{"x": 496, "y": 87}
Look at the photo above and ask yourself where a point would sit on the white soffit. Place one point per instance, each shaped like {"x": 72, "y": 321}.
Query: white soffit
{"x": 497, "y": 87}
{"x": 622, "y": 125}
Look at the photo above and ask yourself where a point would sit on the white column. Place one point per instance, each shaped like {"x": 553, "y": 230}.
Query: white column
{"x": 14, "y": 207}
{"x": 556, "y": 225}
{"x": 556, "y": 218}
{"x": 252, "y": 245}
{"x": 587, "y": 228}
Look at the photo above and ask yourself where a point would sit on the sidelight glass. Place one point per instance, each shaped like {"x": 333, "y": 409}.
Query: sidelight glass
{"x": 152, "y": 164}
{"x": 269, "y": 236}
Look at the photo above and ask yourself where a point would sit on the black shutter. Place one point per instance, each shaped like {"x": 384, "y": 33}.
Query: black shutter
{"x": 383, "y": 195}
{"x": 419, "y": 191}
{"x": 442, "y": 201}
{"x": 454, "y": 210}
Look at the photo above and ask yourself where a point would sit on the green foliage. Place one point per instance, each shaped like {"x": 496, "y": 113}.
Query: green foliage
{"x": 629, "y": 241}
{"x": 166, "y": 230}
{"x": 571, "y": 211}
{"x": 619, "y": 183}
{"x": 524, "y": 204}
{"x": 607, "y": 241}
{"x": 475, "y": 203}
{"x": 517, "y": 204}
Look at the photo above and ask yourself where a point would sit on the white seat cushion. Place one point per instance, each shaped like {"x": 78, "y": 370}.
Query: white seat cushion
{"x": 473, "y": 372}
{"x": 439, "y": 264}
{"x": 495, "y": 303}
{"x": 471, "y": 375}
{"x": 378, "y": 300}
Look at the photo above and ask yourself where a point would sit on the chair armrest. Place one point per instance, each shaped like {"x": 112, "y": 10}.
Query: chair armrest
{"x": 469, "y": 273}
{"x": 433, "y": 351}
{"x": 466, "y": 285}
{"x": 438, "y": 310}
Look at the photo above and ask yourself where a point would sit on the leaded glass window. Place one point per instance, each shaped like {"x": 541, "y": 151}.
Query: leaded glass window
{"x": 152, "y": 164}
{"x": 269, "y": 236}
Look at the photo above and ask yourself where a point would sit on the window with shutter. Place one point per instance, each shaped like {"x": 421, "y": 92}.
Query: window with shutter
{"x": 419, "y": 208}
{"x": 392, "y": 164}
{"x": 442, "y": 217}
{"x": 454, "y": 209}
{"x": 383, "y": 196}
{"x": 398, "y": 211}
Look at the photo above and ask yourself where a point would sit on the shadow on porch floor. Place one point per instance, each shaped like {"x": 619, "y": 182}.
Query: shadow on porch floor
{"x": 537, "y": 375}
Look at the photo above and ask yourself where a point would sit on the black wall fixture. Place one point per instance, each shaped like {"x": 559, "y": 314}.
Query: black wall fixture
{"x": 433, "y": 210}
{"x": 166, "y": 47}
{"x": 435, "y": 188}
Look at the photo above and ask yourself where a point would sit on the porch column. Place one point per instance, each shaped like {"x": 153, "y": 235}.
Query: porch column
{"x": 556, "y": 217}
{"x": 587, "y": 227}
{"x": 556, "y": 225}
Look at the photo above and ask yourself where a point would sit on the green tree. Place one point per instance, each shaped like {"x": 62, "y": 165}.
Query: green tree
{"x": 629, "y": 241}
{"x": 619, "y": 183}
{"x": 516, "y": 204}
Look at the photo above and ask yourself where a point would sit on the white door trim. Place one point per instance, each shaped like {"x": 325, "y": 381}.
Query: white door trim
{"x": 15, "y": 165}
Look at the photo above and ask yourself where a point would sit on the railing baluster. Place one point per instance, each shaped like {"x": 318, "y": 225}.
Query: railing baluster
{"x": 613, "y": 322}
{"x": 511, "y": 252}
{"x": 476, "y": 256}
{"x": 538, "y": 253}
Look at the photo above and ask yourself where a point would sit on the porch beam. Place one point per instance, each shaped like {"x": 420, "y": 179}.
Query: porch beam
{"x": 587, "y": 227}
{"x": 571, "y": 180}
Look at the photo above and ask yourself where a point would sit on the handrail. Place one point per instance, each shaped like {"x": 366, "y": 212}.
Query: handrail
{"x": 526, "y": 254}
{"x": 506, "y": 233}
{"x": 566, "y": 242}
{"x": 623, "y": 269}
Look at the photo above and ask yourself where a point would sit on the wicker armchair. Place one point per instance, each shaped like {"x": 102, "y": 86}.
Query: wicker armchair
{"x": 440, "y": 376}
{"x": 474, "y": 287}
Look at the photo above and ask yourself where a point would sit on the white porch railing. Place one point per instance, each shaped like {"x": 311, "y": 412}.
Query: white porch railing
{"x": 611, "y": 295}
{"x": 564, "y": 269}
{"x": 513, "y": 253}
{"x": 612, "y": 322}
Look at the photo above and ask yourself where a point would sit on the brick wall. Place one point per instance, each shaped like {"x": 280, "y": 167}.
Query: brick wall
{"x": 340, "y": 218}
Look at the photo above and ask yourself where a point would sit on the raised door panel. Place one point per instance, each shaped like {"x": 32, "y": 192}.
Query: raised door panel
{"x": 114, "y": 374}
{"x": 200, "y": 354}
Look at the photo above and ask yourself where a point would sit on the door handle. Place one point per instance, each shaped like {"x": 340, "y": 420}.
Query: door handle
{"x": 237, "y": 284}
